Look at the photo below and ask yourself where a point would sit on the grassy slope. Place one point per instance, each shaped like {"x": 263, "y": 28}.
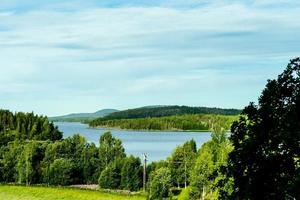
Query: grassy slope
{"x": 43, "y": 193}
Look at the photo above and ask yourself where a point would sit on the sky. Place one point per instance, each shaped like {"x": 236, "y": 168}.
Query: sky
{"x": 66, "y": 56}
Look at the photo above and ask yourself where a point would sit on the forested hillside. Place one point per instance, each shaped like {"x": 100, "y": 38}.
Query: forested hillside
{"x": 195, "y": 122}
{"x": 162, "y": 111}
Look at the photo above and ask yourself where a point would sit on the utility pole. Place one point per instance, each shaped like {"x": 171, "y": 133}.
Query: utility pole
{"x": 144, "y": 173}
{"x": 185, "y": 176}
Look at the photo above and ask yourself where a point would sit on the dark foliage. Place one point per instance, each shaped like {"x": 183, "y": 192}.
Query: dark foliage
{"x": 131, "y": 174}
{"x": 110, "y": 177}
{"x": 26, "y": 126}
{"x": 163, "y": 111}
{"x": 195, "y": 122}
{"x": 265, "y": 162}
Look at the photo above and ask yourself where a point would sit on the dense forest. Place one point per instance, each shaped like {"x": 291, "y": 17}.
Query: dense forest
{"x": 32, "y": 151}
{"x": 196, "y": 122}
{"x": 163, "y": 111}
{"x": 26, "y": 126}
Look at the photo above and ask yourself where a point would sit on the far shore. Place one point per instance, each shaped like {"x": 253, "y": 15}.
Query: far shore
{"x": 137, "y": 130}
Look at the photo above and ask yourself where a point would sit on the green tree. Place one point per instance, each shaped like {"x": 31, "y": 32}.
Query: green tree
{"x": 90, "y": 163}
{"x": 8, "y": 161}
{"x": 28, "y": 166}
{"x": 26, "y": 126}
{"x": 131, "y": 174}
{"x": 110, "y": 177}
{"x": 212, "y": 157}
{"x": 110, "y": 149}
{"x": 182, "y": 162}
{"x": 60, "y": 172}
{"x": 74, "y": 147}
{"x": 160, "y": 184}
{"x": 265, "y": 162}
{"x": 53, "y": 151}
{"x": 203, "y": 170}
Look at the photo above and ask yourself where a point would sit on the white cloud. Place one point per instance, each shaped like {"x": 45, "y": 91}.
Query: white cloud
{"x": 92, "y": 53}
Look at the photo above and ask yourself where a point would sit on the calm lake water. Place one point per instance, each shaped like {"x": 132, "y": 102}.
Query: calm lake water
{"x": 158, "y": 145}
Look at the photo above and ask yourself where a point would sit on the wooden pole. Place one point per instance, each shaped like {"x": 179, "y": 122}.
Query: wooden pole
{"x": 144, "y": 173}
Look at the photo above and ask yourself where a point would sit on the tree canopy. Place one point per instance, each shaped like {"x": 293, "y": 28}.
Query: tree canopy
{"x": 26, "y": 126}
{"x": 33, "y": 152}
{"x": 265, "y": 162}
{"x": 192, "y": 122}
{"x": 163, "y": 111}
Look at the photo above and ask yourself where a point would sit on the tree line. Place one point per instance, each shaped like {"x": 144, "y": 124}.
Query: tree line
{"x": 197, "y": 122}
{"x": 70, "y": 161}
{"x": 26, "y": 126}
{"x": 163, "y": 111}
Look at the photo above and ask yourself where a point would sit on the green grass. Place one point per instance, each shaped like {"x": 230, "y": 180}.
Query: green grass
{"x": 44, "y": 193}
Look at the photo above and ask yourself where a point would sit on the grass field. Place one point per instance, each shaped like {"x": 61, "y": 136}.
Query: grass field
{"x": 44, "y": 193}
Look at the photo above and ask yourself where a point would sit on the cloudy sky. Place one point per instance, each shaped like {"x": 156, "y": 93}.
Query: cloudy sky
{"x": 63, "y": 56}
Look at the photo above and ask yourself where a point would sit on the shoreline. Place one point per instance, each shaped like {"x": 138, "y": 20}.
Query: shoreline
{"x": 149, "y": 130}
{"x": 137, "y": 130}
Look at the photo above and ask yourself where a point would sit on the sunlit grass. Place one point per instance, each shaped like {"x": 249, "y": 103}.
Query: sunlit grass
{"x": 45, "y": 193}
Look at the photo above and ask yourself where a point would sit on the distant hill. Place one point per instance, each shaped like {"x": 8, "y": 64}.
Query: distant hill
{"x": 163, "y": 111}
{"x": 79, "y": 117}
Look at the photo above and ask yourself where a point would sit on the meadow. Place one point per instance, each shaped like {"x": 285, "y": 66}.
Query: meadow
{"x": 55, "y": 193}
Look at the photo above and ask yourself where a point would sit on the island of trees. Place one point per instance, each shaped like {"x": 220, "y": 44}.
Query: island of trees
{"x": 195, "y": 122}
{"x": 170, "y": 118}
{"x": 259, "y": 160}
{"x": 163, "y": 111}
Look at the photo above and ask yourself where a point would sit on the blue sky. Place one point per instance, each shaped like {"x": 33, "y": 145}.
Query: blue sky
{"x": 59, "y": 57}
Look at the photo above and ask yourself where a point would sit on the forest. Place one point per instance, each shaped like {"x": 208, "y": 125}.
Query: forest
{"x": 32, "y": 151}
{"x": 43, "y": 157}
{"x": 163, "y": 111}
{"x": 260, "y": 159}
{"x": 192, "y": 122}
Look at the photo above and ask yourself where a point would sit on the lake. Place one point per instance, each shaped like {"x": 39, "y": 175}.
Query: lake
{"x": 157, "y": 144}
